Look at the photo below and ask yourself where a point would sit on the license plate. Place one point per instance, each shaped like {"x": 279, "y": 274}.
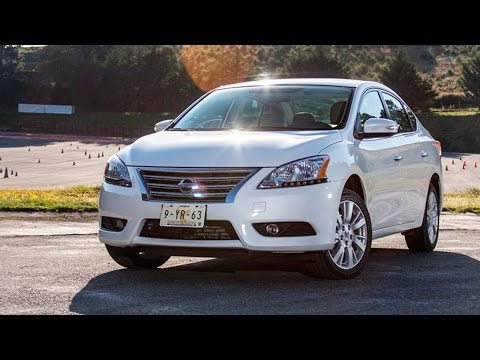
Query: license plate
{"x": 178, "y": 215}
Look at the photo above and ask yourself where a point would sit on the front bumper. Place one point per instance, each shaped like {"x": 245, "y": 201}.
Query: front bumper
{"x": 315, "y": 204}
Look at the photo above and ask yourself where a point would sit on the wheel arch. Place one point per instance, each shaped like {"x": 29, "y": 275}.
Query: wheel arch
{"x": 354, "y": 183}
{"x": 435, "y": 181}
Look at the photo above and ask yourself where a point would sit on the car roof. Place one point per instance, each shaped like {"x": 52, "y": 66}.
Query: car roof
{"x": 303, "y": 81}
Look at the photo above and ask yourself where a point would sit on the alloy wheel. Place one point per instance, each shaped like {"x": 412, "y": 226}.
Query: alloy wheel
{"x": 350, "y": 236}
{"x": 432, "y": 217}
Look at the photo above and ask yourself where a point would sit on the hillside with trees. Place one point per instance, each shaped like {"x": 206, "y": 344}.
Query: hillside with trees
{"x": 165, "y": 78}
{"x": 123, "y": 90}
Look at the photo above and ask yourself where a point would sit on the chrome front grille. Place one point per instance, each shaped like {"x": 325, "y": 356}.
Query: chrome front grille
{"x": 193, "y": 184}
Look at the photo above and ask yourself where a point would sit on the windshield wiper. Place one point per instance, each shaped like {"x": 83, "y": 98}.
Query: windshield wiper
{"x": 202, "y": 129}
{"x": 182, "y": 129}
{"x": 280, "y": 128}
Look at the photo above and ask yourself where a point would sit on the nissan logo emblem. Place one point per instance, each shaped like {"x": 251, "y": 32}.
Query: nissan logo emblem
{"x": 187, "y": 186}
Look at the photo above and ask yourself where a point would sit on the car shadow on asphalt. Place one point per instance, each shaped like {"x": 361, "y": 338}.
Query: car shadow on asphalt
{"x": 16, "y": 142}
{"x": 394, "y": 281}
{"x": 13, "y": 142}
{"x": 455, "y": 155}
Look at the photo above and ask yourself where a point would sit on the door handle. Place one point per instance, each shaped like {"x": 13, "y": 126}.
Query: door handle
{"x": 398, "y": 158}
{"x": 424, "y": 154}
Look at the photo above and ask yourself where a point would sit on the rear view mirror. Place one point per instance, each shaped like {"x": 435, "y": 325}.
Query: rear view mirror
{"x": 375, "y": 127}
{"x": 162, "y": 125}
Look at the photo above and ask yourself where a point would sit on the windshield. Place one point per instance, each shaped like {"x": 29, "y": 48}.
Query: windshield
{"x": 269, "y": 107}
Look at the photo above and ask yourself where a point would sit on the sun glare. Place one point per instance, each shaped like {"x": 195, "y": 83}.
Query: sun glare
{"x": 210, "y": 66}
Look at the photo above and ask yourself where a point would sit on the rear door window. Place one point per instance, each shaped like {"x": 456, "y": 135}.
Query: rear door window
{"x": 411, "y": 117}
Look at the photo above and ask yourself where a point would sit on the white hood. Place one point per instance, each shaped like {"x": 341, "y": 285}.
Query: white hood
{"x": 226, "y": 148}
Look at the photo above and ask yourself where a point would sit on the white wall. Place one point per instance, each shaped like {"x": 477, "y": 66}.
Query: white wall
{"x": 46, "y": 109}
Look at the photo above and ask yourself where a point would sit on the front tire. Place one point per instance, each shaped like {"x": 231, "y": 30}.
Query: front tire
{"x": 353, "y": 239}
{"x": 134, "y": 258}
{"x": 424, "y": 238}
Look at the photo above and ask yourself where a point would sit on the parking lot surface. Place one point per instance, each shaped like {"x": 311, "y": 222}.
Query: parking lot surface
{"x": 71, "y": 272}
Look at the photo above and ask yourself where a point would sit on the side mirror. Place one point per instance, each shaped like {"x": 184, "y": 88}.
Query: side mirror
{"x": 375, "y": 127}
{"x": 162, "y": 125}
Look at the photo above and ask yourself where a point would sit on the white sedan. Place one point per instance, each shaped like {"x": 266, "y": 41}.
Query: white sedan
{"x": 313, "y": 168}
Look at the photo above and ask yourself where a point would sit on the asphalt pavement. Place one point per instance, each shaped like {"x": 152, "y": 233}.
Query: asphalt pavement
{"x": 54, "y": 160}
{"x": 71, "y": 273}
{"x": 54, "y": 264}
{"x": 20, "y": 153}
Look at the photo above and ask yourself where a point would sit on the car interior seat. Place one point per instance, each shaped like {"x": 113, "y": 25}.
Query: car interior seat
{"x": 303, "y": 120}
{"x": 337, "y": 111}
{"x": 273, "y": 116}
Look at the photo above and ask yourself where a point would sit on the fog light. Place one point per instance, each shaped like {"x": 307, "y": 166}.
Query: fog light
{"x": 284, "y": 228}
{"x": 119, "y": 224}
{"x": 113, "y": 224}
{"x": 272, "y": 229}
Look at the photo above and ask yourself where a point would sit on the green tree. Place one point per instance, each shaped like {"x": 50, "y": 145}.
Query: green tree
{"x": 75, "y": 74}
{"x": 470, "y": 79}
{"x": 115, "y": 78}
{"x": 312, "y": 61}
{"x": 11, "y": 80}
{"x": 269, "y": 59}
{"x": 400, "y": 74}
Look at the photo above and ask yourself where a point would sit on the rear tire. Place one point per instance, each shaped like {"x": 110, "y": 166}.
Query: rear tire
{"x": 353, "y": 239}
{"x": 131, "y": 258}
{"x": 424, "y": 238}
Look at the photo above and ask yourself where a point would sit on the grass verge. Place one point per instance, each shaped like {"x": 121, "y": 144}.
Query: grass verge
{"x": 463, "y": 201}
{"x": 84, "y": 198}
{"x": 77, "y": 198}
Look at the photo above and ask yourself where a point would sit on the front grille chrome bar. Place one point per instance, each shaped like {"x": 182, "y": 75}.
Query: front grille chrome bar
{"x": 193, "y": 184}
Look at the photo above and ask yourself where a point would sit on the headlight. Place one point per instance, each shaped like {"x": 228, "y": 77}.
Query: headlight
{"x": 298, "y": 173}
{"x": 116, "y": 172}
